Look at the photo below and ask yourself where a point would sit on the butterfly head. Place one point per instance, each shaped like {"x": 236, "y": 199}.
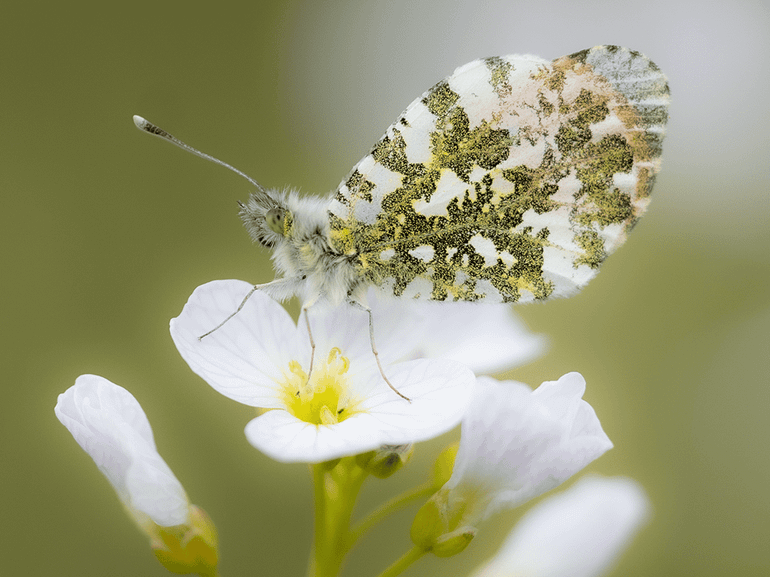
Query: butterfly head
{"x": 266, "y": 218}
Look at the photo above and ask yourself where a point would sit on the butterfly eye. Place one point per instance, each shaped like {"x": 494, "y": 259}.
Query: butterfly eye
{"x": 275, "y": 218}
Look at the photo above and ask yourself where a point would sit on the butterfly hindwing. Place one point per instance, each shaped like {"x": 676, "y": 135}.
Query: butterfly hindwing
{"x": 510, "y": 180}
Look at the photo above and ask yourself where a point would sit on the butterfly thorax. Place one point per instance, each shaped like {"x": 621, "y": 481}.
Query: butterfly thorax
{"x": 306, "y": 263}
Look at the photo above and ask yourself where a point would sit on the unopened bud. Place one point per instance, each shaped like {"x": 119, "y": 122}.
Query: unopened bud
{"x": 445, "y": 462}
{"x": 386, "y": 460}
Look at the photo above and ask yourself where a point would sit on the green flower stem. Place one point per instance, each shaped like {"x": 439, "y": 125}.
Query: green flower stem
{"x": 395, "y": 504}
{"x": 336, "y": 490}
{"x": 414, "y": 554}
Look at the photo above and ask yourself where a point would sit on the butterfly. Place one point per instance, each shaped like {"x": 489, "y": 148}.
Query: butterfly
{"x": 511, "y": 180}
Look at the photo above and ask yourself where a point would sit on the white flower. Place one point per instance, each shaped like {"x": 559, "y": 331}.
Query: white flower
{"x": 108, "y": 423}
{"x": 261, "y": 358}
{"x": 578, "y": 533}
{"x": 515, "y": 445}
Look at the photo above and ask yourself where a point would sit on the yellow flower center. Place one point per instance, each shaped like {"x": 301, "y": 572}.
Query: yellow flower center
{"x": 325, "y": 398}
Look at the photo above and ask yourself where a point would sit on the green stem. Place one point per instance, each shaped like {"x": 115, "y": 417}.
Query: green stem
{"x": 395, "y": 504}
{"x": 335, "y": 492}
{"x": 405, "y": 561}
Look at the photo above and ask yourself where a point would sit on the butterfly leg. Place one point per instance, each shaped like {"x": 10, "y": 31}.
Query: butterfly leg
{"x": 305, "y": 308}
{"x": 280, "y": 283}
{"x": 374, "y": 347}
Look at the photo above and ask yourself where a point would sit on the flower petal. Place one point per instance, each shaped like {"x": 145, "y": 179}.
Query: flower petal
{"x": 242, "y": 359}
{"x": 346, "y": 327}
{"x": 578, "y": 533}
{"x": 439, "y": 393}
{"x": 109, "y": 424}
{"x": 487, "y": 338}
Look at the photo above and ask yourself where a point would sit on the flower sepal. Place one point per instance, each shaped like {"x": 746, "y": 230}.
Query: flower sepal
{"x": 188, "y": 548}
{"x": 441, "y": 529}
{"x": 454, "y": 542}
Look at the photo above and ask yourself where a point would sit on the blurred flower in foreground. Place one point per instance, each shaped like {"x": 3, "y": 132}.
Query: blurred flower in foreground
{"x": 110, "y": 425}
{"x": 515, "y": 445}
{"x": 342, "y": 406}
{"x": 580, "y": 532}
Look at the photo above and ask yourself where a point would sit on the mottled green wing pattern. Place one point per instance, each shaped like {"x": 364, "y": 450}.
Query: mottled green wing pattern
{"x": 510, "y": 180}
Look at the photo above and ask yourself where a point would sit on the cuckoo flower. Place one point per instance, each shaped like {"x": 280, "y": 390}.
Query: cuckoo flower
{"x": 516, "y": 444}
{"x": 340, "y": 406}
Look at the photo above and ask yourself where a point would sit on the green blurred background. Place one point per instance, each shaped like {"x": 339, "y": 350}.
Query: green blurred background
{"x": 106, "y": 232}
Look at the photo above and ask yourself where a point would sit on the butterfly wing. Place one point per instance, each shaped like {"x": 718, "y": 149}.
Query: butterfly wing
{"x": 510, "y": 180}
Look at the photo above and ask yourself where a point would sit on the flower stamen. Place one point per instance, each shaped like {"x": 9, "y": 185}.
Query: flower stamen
{"x": 323, "y": 399}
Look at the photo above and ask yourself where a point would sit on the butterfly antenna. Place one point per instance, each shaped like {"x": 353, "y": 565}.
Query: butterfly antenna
{"x": 149, "y": 127}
